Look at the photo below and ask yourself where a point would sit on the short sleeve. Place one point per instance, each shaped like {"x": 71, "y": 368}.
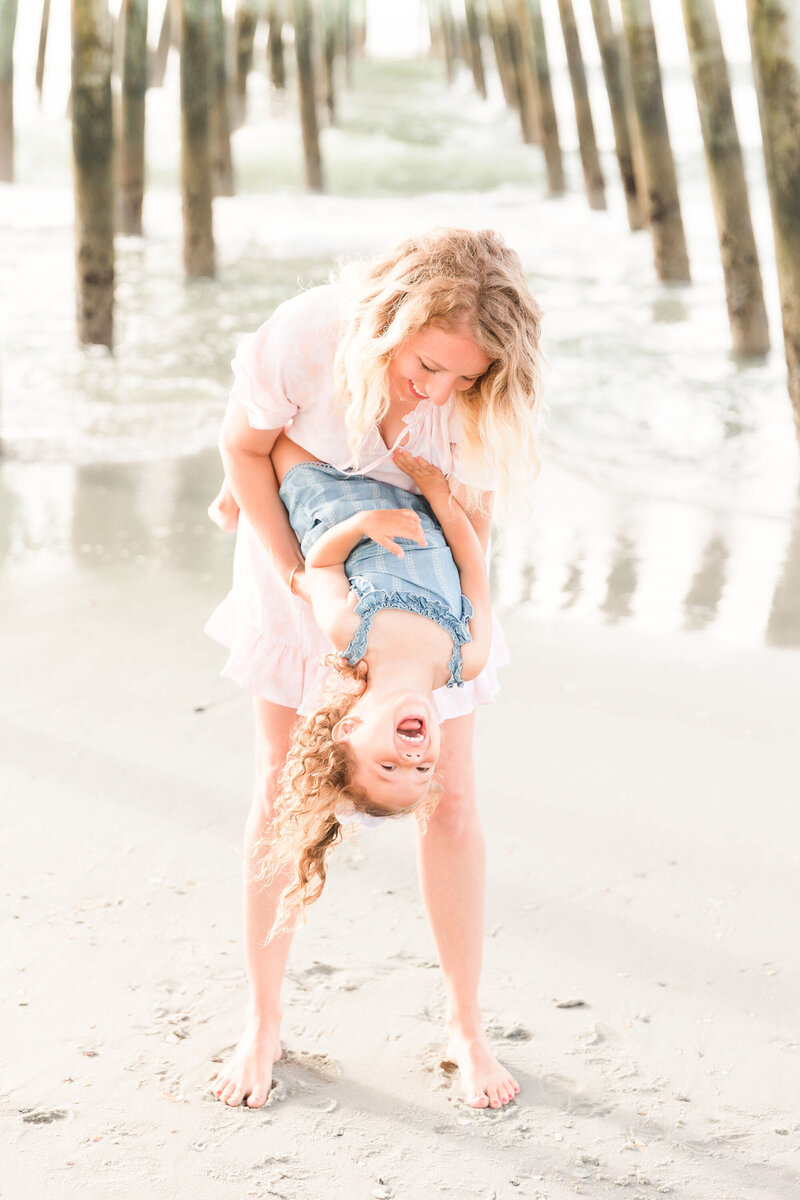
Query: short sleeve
{"x": 286, "y": 366}
{"x": 259, "y": 383}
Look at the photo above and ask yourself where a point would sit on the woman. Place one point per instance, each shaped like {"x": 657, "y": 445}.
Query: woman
{"x": 433, "y": 348}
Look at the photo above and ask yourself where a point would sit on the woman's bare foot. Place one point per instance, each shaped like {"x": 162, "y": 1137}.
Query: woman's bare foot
{"x": 249, "y": 1071}
{"x": 485, "y": 1083}
{"x": 224, "y": 511}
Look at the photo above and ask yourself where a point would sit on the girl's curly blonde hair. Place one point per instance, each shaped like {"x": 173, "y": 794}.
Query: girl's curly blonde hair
{"x": 449, "y": 278}
{"x": 314, "y": 785}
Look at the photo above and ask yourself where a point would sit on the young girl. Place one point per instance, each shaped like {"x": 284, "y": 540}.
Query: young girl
{"x": 432, "y": 348}
{"x": 402, "y": 593}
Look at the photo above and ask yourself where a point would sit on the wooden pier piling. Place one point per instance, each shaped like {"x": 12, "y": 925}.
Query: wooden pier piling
{"x": 42, "y": 50}
{"x": 622, "y": 115}
{"x": 521, "y": 74}
{"x": 532, "y": 27}
{"x": 304, "y": 42}
{"x": 132, "y": 115}
{"x": 244, "y": 32}
{"x": 328, "y": 49}
{"x": 590, "y": 158}
{"x": 775, "y": 45}
{"x": 92, "y": 152}
{"x": 663, "y": 202}
{"x": 8, "y": 25}
{"x": 161, "y": 54}
{"x": 222, "y": 181}
{"x": 275, "y": 52}
{"x": 475, "y": 49}
{"x": 745, "y": 296}
{"x": 196, "y": 72}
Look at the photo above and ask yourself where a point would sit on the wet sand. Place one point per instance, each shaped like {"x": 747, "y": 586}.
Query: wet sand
{"x": 641, "y": 979}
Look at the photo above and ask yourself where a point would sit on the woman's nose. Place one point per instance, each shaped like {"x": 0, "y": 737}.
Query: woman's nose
{"x": 440, "y": 391}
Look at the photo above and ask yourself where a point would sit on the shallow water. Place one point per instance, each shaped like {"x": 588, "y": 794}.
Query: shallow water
{"x": 669, "y": 497}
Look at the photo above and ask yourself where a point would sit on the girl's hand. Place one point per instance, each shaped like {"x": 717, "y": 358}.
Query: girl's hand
{"x": 385, "y": 524}
{"x": 429, "y": 479}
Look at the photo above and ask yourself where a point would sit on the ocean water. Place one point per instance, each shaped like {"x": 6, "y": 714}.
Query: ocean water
{"x": 670, "y": 494}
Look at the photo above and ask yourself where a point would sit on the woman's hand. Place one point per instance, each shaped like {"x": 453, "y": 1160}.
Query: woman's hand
{"x": 429, "y": 479}
{"x": 383, "y": 525}
{"x": 299, "y": 584}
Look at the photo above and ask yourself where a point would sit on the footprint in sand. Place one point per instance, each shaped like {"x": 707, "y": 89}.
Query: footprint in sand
{"x": 42, "y": 1116}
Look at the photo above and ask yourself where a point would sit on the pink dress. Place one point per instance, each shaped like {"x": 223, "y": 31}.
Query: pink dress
{"x": 283, "y": 373}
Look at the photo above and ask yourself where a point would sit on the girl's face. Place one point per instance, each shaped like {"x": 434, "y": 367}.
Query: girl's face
{"x": 433, "y": 364}
{"x": 394, "y": 741}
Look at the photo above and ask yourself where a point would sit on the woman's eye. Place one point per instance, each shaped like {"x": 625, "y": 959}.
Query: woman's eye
{"x": 388, "y": 766}
{"x": 430, "y": 370}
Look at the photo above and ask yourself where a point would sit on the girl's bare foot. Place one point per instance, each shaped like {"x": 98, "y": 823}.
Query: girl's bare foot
{"x": 485, "y": 1083}
{"x": 248, "y": 1074}
{"x": 224, "y": 511}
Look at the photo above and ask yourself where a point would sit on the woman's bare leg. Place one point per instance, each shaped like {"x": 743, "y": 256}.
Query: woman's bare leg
{"x": 249, "y": 1071}
{"x": 452, "y": 876}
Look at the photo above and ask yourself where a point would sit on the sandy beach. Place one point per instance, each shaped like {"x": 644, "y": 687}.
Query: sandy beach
{"x": 641, "y": 978}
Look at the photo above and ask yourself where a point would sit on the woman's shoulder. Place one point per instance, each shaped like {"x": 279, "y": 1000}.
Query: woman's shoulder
{"x": 295, "y": 348}
{"x": 311, "y": 314}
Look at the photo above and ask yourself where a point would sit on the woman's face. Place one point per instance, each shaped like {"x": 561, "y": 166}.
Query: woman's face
{"x": 433, "y": 364}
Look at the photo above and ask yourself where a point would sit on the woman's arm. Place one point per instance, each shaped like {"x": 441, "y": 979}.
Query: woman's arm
{"x": 246, "y": 457}
{"x": 468, "y": 554}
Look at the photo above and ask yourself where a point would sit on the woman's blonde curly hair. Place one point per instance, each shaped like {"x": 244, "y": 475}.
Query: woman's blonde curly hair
{"x": 314, "y": 785}
{"x": 449, "y": 278}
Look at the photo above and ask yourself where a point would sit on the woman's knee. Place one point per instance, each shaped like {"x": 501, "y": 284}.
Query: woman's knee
{"x": 456, "y": 813}
{"x": 265, "y": 787}
{"x": 273, "y": 725}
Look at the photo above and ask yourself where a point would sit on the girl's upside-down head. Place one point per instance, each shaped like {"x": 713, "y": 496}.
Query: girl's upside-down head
{"x": 349, "y": 759}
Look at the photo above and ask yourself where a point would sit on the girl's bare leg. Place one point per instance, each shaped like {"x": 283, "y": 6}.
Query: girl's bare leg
{"x": 249, "y": 1071}
{"x": 223, "y": 509}
{"x": 452, "y": 875}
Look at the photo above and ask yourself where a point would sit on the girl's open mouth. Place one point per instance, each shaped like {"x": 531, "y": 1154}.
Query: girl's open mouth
{"x": 411, "y": 730}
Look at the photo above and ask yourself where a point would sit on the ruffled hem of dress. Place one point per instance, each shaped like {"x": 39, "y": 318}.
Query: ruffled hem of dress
{"x": 262, "y": 665}
{"x": 283, "y": 674}
{"x": 450, "y": 703}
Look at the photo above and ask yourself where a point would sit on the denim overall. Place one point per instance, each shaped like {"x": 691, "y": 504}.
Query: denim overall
{"x": 424, "y": 581}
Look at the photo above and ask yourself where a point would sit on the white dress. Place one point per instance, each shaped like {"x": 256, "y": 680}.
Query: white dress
{"x": 283, "y": 373}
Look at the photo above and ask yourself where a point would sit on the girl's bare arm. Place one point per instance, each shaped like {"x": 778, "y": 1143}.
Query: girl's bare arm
{"x": 327, "y": 582}
{"x": 467, "y": 551}
{"x": 481, "y": 517}
{"x": 382, "y": 525}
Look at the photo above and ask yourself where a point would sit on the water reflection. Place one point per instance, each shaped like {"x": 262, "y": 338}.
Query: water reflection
{"x": 669, "y": 308}
{"x": 622, "y": 581}
{"x": 701, "y": 602}
{"x": 99, "y": 515}
{"x": 584, "y": 553}
{"x": 783, "y": 617}
{"x": 664, "y": 566}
